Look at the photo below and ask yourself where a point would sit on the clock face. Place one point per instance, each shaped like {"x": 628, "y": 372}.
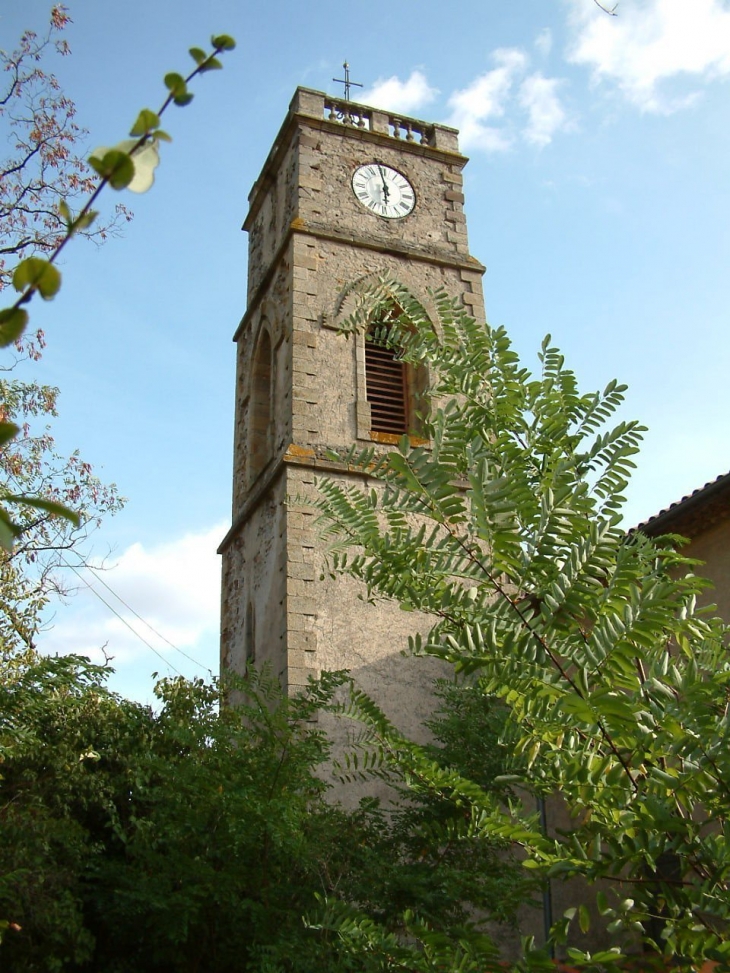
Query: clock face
{"x": 384, "y": 191}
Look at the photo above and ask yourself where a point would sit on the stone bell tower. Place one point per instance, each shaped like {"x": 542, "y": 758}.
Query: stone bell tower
{"x": 347, "y": 193}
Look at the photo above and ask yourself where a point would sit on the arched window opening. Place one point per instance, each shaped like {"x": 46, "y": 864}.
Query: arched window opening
{"x": 392, "y": 394}
{"x": 261, "y": 433}
{"x": 249, "y": 636}
{"x": 386, "y": 377}
{"x": 393, "y": 387}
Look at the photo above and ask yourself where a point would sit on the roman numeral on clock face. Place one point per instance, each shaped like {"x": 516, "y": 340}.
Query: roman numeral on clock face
{"x": 383, "y": 190}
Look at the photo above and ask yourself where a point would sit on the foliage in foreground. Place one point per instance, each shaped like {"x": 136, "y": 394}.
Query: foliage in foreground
{"x": 36, "y": 216}
{"x": 42, "y": 175}
{"x": 47, "y": 547}
{"x": 49, "y": 504}
{"x": 506, "y": 530}
{"x": 41, "y": 137}
{"x": 199, "y": 839}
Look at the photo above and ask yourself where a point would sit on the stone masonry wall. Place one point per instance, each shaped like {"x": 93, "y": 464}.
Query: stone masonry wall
{"x": 254, "y": 586}
{"x": 311, "y": 242}
{"x": 328, "y": 369}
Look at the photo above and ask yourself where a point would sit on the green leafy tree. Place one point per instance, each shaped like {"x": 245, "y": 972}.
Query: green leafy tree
{"x": 132, "y": 840}
{"x": 66, "y": 748}
{"x": 506, "y": 529}
{"x": 429, "y": 866}
{"x": 200, "y": 837}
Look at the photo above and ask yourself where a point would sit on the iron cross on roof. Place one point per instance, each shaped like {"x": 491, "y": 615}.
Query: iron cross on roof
{"x": 347, "y": 83}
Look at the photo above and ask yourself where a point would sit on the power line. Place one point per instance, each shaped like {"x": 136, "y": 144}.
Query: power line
{"x": 129, "y": 608}
{"x": 122, "y": 619}
{"x": 135, "y": 613}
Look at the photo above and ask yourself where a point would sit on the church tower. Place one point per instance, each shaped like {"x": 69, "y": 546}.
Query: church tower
{"x": 347, "y": 193}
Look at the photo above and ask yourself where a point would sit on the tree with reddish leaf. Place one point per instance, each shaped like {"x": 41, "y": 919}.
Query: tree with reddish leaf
{"x": 43, "y": 169}
{"x": 43, "y": 166}
{"x": 42, "y": 564}
{"x": 59, "y": 500}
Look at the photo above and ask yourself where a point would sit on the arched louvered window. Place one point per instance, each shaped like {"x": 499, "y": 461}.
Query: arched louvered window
{"x": 249, "y": 635}
{"x": 260, "y": 418}
{"x": 386, "y": 379}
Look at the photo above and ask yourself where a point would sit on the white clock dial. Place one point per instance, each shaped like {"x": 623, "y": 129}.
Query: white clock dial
{"x": 384, "y": 191}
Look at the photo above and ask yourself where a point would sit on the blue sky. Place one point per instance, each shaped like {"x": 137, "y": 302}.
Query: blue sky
{"x": 597, "y": 195}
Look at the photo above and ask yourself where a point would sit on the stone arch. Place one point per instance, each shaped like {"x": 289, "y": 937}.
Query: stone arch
{"x": 351, "y": 297}
{"x": 261, "y": 419}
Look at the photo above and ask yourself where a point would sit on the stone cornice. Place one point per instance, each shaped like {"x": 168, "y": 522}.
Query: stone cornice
{"x": 396, "y": 249}
{"x": 294, "y": 455}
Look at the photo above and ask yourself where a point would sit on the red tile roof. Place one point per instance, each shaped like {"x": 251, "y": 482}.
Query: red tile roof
{"x": 695, "y": 513}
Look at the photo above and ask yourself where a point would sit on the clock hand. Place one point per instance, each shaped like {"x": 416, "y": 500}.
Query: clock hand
{"x": 386, "y": 191}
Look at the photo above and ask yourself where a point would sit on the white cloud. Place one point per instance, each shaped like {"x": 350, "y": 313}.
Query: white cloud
{"x": 481, "y": 110}
{"x": 174, "y": 586}
{"x": 544, "y": 42}
{"x": 653, "y": 41}
{"x": 491, "y": 99}
{"x": 406, "y": 96}
{"x": 486, "y": 99}
{"x": 538, "y": 96}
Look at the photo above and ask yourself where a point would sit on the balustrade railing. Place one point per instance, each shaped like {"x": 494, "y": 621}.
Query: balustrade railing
{"x": 347, "y": 113}
{"x": 373, "y": 120}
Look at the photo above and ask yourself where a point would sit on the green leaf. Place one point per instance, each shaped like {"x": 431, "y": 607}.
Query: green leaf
{"x": 223, "y": 42}
{"x": 38, "y": 273}
{"x": 142, "y": 155}
{"x": 13, "y": 321}
{"x": 198, "y": 54}
{"x": 8, "y": 530}
{"x": 147, "y": 121}
{"x": 175, "y": 83}
{"x": 400, "y": 465}
{"x": 50, "y": 506}
{"x": 574, "y": 705}
{"x": 162, "y": 136}
{"x": 178, "y": 88}
{"x": 146, "y": 159}
{"x": 211, "y": 64}
{"x": 84, "y": 221}
{"x": 613, "y": 955}
{"x": 584, "y": 918}
{"x": 8, "y": 432}
{"x": 114, "y": 166}
{"x": 614, "y": 706}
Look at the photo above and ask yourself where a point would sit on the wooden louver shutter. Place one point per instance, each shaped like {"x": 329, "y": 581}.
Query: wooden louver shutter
{"x": 386, "y": 388}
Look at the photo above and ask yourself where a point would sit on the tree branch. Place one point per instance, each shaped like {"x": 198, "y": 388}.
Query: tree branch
{"x": 611, "y": 12}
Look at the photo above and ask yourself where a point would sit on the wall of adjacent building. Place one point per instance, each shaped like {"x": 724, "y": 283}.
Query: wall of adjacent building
{"x": 713, "y": 547}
